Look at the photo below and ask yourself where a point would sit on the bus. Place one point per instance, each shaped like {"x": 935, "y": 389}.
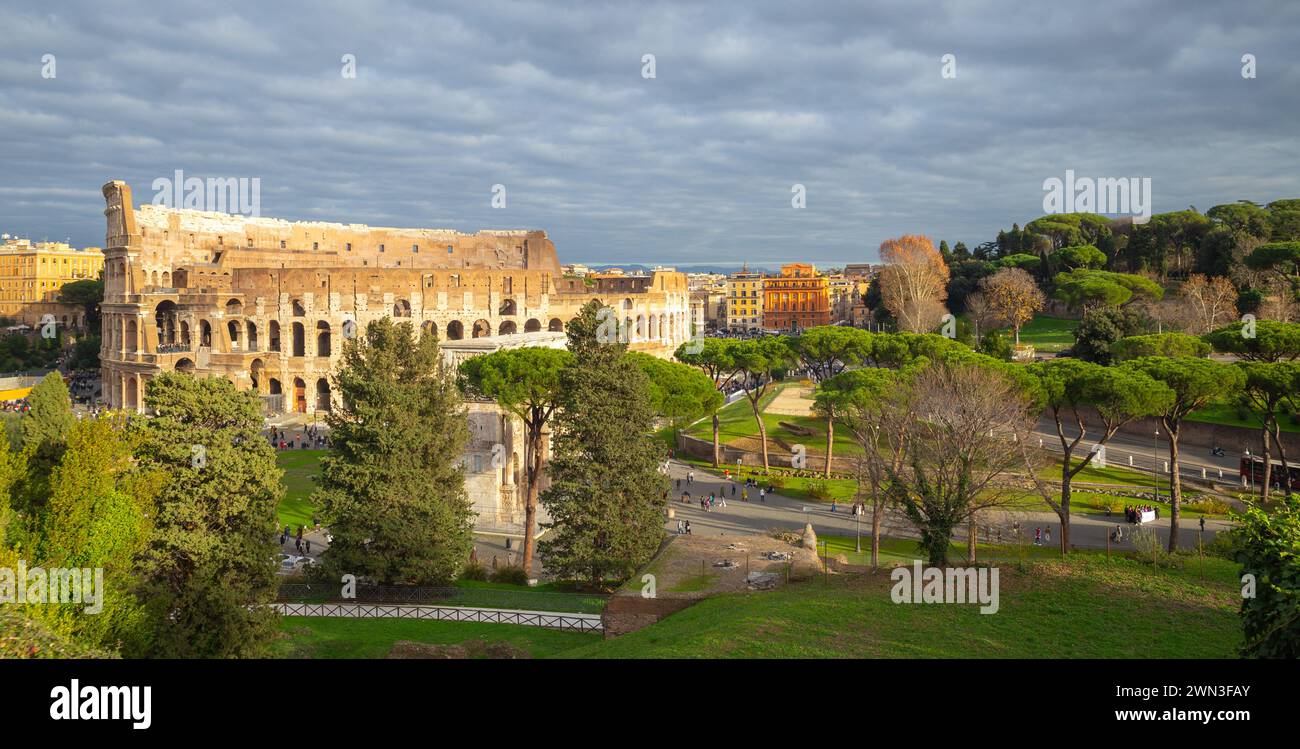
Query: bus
{"x": 1252, "y": 467}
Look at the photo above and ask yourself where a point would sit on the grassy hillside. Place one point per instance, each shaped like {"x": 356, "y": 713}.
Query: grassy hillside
{"x": 1086, "y": 607}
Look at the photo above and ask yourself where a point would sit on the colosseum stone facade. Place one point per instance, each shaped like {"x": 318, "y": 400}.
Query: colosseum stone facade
{"x": 266, "y": 303}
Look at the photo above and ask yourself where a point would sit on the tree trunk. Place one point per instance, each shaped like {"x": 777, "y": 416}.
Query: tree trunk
{"x": 877, "y": 519}
{"x": 762, "y": 430}
{"x": 530, "y": 497}
{"x": 1268, "y": 465}
{"x": 1175, "y": 487}
{"x": 716, "y": 448}
{"x": 1281, "y": 453}
{"x": 830, "y": 442}
{"x": 1064, "y": 513}
{"x": 971, "y": 539}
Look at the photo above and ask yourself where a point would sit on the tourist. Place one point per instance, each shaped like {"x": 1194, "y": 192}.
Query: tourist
{"x": 762, "y": 494}
{"x": 688, "y": 527}
{"x": 1048, "y": 534}
{"x": 690, "y": 477}
{"x": 1038, "y": 536}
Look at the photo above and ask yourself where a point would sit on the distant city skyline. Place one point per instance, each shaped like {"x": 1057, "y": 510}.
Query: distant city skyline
{"x": 749, "y": 108}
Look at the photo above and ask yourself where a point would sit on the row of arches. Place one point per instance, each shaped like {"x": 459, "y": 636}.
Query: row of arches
{"x": 175, "y": 334}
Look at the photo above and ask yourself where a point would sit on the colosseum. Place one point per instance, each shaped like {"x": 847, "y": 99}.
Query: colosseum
{"x": 264, "y": 302}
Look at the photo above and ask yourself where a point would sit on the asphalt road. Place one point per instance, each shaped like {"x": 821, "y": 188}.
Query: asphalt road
{"x": 752, "y": 517}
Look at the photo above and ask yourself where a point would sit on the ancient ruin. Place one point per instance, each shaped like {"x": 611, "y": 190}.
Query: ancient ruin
{"x": 267, "y": 302}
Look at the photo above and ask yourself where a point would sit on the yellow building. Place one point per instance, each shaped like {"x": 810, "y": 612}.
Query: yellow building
{"x": 31, "y": 274}
{"x": 745, "y": 302}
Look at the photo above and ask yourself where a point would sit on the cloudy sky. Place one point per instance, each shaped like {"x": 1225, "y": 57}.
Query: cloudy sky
{"x": 693, "y": 165}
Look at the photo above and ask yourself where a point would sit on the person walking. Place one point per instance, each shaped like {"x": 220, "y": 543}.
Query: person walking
{"x": 1038, "y": 536}
{"x": 1049, "y": 534}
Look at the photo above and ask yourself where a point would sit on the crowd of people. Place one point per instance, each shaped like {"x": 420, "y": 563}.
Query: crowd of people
{"x": 18, "y": 405}
{"x": 1134, "y": 514}
{"x": 309, "y": 437}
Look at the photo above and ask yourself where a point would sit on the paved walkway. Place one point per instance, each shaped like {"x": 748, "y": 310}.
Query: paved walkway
{"x": 752, "y": 517}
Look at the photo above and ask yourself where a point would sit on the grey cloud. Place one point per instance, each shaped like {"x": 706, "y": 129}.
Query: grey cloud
{"x": 693, "y": 166}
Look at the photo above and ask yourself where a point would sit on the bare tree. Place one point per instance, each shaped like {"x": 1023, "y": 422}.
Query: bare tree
{"x": 914, "y": 282}
{"x": 981, "y": 314}
{"x": 1014, "y": 295}
{"x": 957, "y": 424}
{"x": 1206, "y": 303}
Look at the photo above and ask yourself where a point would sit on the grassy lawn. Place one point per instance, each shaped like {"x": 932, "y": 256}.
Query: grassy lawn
{"x": 736, "y": 422}
{"x": 1048, "y": 334}
{"x": 546, "y": 597}
{"x": 300, "y": 470}
{"x": 320, "y": 637}
{"x": 904, "y": 550}
{"x": 1083, "y": 607}
{"x": 1226, "y": 414}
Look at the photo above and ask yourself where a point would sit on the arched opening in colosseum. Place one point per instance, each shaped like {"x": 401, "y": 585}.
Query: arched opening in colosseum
{"x": 429, "y": 327}
{"x": 556, "y": 325}
{"x": 257, "y": 373}
{"x": 274, "y": 387}
{"x": 205, "y": 333}
{"x": 322, "y": 338}
{"x": 482, "y": 329}
{"x": 663, "y": 328}
{"x": 132, "y": 394}
{"x": 185, "y": 365}
{"x": 299, "y": 340}
{"x": 153, "y": 278}
{"x": 232, "y": 328}
{"x": 532, "y": 326}
{"x": 507, "y": 307}
{"x": 626, "y": 332}
{"x": 507, "y": 328}
{"x": 298, "y": 309}
{"x": 252, "y": 336}
{"x": 322, "y": 394}
{"x": 165, "y": 316}
{"x": 274, "y": 337}
{"x": 627, "y": 304}
{"x": 234, "y": 308}
{"x": 167, "y": 279}
{"x": 185, "y": 335}
{"x": 132, "y": 336}
{"x": 640, "y": 328}
{"x": 299, "y": 395}
{"x": 652, "y": 327}
{"x": 401, "y": 308}
{"x": 455, "y": 330}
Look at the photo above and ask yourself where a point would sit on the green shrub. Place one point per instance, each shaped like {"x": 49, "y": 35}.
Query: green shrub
{"x": 474, "y": 571}
{"x": 819, "y": 490}
{"x": 1210, "y": 506}
{"x": 511, "y": 574}
{"x": 1107, "y": 502}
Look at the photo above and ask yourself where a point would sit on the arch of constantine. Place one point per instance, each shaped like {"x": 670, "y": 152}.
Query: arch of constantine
{"x": 267, "y": 302}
